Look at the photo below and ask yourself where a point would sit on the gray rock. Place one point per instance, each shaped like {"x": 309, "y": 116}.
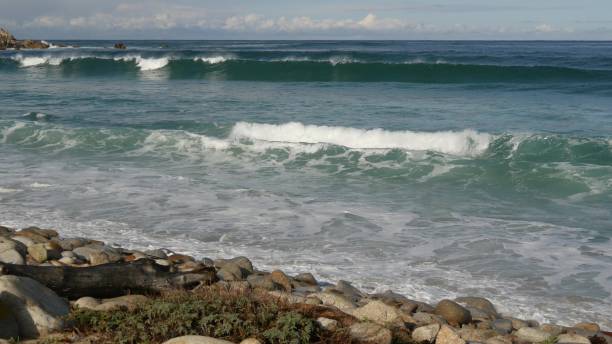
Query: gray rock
{"x": 232, "y": 272}
{"x": 6, "y": 231}
{"x": 476, "y": 335}
{"x": 70, "y": 244}
{"x": 591, "y": 327}
{"x": 532, "y": 335}
{"x": 502, "y": 326}
{"x": 129, "y": 302}
{"x": 328, "y": 324}
{"x": 86, "y": 302}
{"x": 262, "y": 280}
{"x": 43, "y": 252}
{"x": 306, "y": 278}
{"x": 338, "y": 300}
{"x": 378, "y": 312}
{"x": 370, "y": 333}
{"x": 97, "y": 254}
{"x": 346, "y": 289}
{"x": 452, "y": 312}
{"x": 282, "y": 279}
{"x": 499, "y": 340}
{"x": 553, "y": 329}
{"x": 10, "y": 244}
{"x": 518, "y": 324}
{"x": 480, "y": 304}
{"x": 24, "y": 240}
{"x": 157, "y": 254}
{"x": 426, "y": 333}
{"x": 423, "y": 318}
{"x": 242, "y": 262}
{"x": 38, "y": 310}
{"x": 11, "y": 256}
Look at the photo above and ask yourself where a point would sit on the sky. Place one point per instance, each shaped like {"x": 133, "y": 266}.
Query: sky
{"x": 311, "y": 19}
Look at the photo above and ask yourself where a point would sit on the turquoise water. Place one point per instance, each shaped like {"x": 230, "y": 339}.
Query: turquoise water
{"x": 435, "y": 169}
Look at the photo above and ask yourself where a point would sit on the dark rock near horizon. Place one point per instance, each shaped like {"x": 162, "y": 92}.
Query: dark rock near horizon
{"x": 8, "y": 41}
{"x": 120, "y": 45}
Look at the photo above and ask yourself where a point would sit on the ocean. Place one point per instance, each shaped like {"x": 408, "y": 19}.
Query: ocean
{"x": 433, "y": 168}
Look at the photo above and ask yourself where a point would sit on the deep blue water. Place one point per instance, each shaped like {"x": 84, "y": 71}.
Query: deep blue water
{"x": 432, "y": 168}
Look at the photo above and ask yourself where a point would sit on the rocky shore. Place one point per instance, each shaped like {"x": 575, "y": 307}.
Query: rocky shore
{"x": 76, "y": 290}
{"x": 8, "y": 41}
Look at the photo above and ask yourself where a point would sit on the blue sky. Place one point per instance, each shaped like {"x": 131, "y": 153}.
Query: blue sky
{"x": 312, "y": 19}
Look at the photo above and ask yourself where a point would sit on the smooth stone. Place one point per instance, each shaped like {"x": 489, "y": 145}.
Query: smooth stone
{"x": 281, "y": 279}
{"x": 9, "y": 328}
{"x": 479, "y": 303}
{"x": 347, "y": 290}
{"x": 196, "y": 340}
{"x": 313, "y": 301}
{"x": 453, "y": 312}
{"x": 24, "y": 240}
{"x": 45, "y": 233}
{"x": 97, "y": 255}
{"x": 328, "y": 324}
{"x": 251, "y": 341}
{"x": 370, "y": 333}
{"x": 518, "y": 324}
{"x": 179, "y": 258}
{"x": 242, "y": 262}
{"x": 38, "y": 309}
{"x": 43, "y": 252}
{"x": 553, "y": 329}
{"x": 287, "y": 297}
{"x": 162, "y": 262}
{"x": 86, "y": 302}
{"x": 423, "y": 318}
{"x": 572, "y": 338}
{"x": 307, "y": 278}
{"x": 69, "y": 244}
{"x": 378, "y": 312}
{"x": 129, "y": 302}
{"x": 191, "y": 267}
{"x": 502, "y": 326}
{"x": 591, "y": 327}
{"x": 533, "y": 335}
{"x": 6, "y": 231}
{"x": 157, "y": 254}
{"x": 231, "y": 272}
{"x": 7, "y": 244}
{"x": 335, "y": 299}
{"x": 11, "y": 256}
{"x": 426, "y": 333}
{"x": 447, "y": 335}
{"x": 68, "y": 254}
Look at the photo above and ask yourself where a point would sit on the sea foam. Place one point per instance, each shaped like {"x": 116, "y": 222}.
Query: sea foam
{"x": 466, "y": 142}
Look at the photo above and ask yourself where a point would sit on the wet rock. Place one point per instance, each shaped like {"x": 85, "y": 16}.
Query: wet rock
{"x": 156, "y": 254}
{"x": 191, "y": 267}
{"x": 447, "y": 335}
{"x": 480, "y": 304}
{"x": 533, "y": 335}
{"x": 370, "y": 333}
{"x": 378, "y": 312}
{"x": 328, "y": 324}
{"x": 331, "y": 298}
{"x": 162, "y": 262}
{"x": 262, "y": 280}
{"x": 345, "y": 288}
{"x": 196, "y": 340}
{"x": 591, "y": 327}
{"x": 38, "y": 310}
{"x": 572, "y": 338}
{"x": 502, "y": 326}
{"x": 232, "y": 272}
{"x": 306, "y": 278}
{"x": 242, "y": 262}
{"x": 120, "y": 45}
{"x": 452, "y": 312}
{"x": 96, "y": 254}
{"x": 70, "y": 244}
{"x": 281, "y": 279}
{"x": 518, "y": 324}
{"x": 9, "y": 328}
{"x": 179, "y": 258}
{"x": 426, "y": 334}
{"x": 5, "y": 231}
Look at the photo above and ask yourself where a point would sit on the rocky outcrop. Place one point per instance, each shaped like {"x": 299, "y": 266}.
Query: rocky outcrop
{"x": 8, "y": 41}
{"x": 119, "y": 45}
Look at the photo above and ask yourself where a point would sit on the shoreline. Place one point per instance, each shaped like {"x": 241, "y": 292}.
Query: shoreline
{"x": 34, "y": 247}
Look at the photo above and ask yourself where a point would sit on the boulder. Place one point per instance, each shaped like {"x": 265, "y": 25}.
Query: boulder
{"x": 281, "y": 279}
{"x": 38, "y": 310}
{"x": 242, "y": 262}
{"x": 33, "y": 232}
{"x": 518, "y": 324}
{"x": 480, "y": 304}
{"x": 306, "y": 278}
{"x": 43, "y": 252}
{"x": 572, "y": 338}
{"x": 12, "y": 257}
{"x": 553, "y": 329}
{"x": 70, "y": 244}
{"x": 447, "y": 335}
{"x": 179, "y": 258}
{"x": 426, "y": 334}
{"x": 452, "y": 312}
{"x": 120, "y": 45}
{"x": 532, "y": 335}
{"x": 251, "y": 341}
{"x": 232, "y": 272}
{"x": 86, "y": 302}
{"x": 12, "y": 251}
{"x": 9, "y": 328}
{"x": 196, "y": 340}
{"x": 262, "y": 280}
{"x": 191, "y": 267}
{"x": 335, "y": 299}
{"x": 378, "y": 312}
{"x": 370, "y": 333}
{"x": 328, "y": 324}
{"x": 345, "y": 288}
{"x": 97, "y": 254}
{"x": 24, "y": 240}
{"x": 499, "y": 340}
{"x": 287, "y": 297}
{"x": 591, "y": 327}
{"x": 128, "y": 302}
{"x": 423, "y": 318}
{"x": 156, "y": 254}
{"x": 476, "y": 335}
{"x": 502, "y": 326}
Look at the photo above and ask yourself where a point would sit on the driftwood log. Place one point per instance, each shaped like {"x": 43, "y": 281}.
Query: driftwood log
{"x": 110, "y": 280}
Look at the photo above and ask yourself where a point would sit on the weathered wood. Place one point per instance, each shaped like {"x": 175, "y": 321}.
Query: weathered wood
{"x": 109, "y": 280}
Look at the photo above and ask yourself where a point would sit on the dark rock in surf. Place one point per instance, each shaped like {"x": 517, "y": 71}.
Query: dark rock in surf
{"x": 120, "y": 45}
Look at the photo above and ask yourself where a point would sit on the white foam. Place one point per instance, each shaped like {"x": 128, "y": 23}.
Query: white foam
{"x": 212, "y": 59}
{"x": 31, "y": 61}
{"x": 8, "y": 190}
{"x": 37, "y": 185}
{"x": 466, "y": 142}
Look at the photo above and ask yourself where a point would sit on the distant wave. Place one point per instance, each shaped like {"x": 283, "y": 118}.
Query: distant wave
{"x": 303, "y": 68}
